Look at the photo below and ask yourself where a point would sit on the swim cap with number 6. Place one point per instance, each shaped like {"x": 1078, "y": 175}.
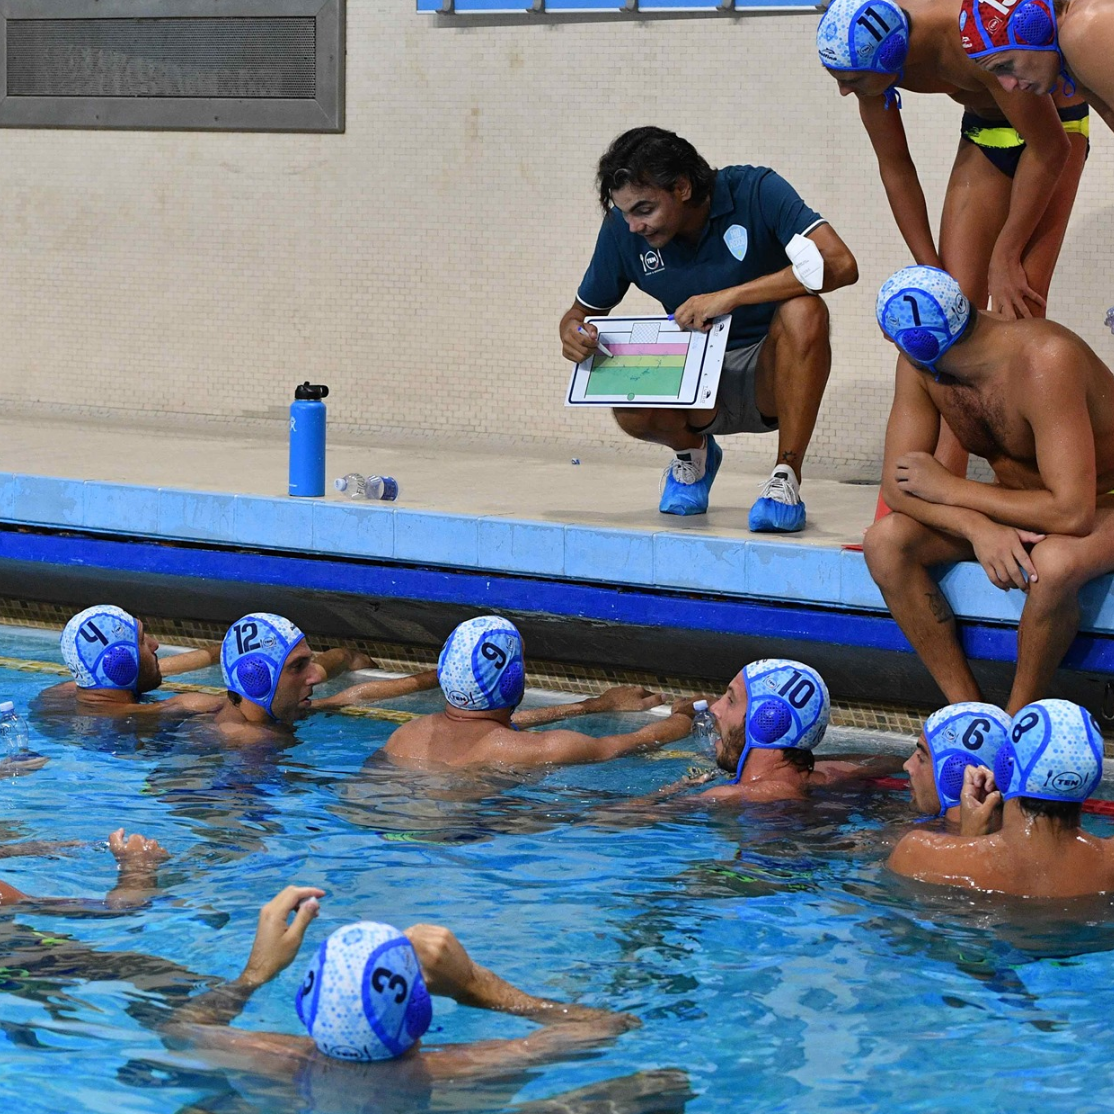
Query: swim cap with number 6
{"x": 871, "y": 37}
{"x": 962, "y": 735}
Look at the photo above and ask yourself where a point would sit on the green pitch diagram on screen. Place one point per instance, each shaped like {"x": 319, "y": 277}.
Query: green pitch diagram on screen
{"x": 652, "y": 362}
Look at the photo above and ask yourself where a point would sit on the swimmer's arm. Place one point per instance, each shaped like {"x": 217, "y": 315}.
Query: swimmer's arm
{"x": 189, "y": 661}
{"x": 448, "y": 970}
{"x": 849, "y": 767}
{"x": 1087, "y": 39}
{"x": 1046, "y": 151}
{"x": 571, "y": 747}
{"x": 35, "y": 847}
{"x": 899, "y": 176}
{"x": 275, "y": 946}
{"x": 138, "y": 860}
{"x": 367, "y": 691}
{"x": 341, "y": 660}
{"x": 619, "y": 698}
{"x": 914, "y": 427}
{"x": 840, "y": 269}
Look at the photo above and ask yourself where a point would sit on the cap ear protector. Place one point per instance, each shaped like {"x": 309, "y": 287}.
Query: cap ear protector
{"x": 961, "y": 735}
{"x": 787, "y": 707}
{"x": 100, "y": 645}
{"x": 1054, "y": 754}
{"x": 988, "y": 27}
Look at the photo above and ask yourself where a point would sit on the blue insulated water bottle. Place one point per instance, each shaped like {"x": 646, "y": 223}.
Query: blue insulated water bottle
{"x": 307, "y": 440}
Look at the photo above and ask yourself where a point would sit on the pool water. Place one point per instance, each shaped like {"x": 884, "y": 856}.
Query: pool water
{"x": 773, "y": 962}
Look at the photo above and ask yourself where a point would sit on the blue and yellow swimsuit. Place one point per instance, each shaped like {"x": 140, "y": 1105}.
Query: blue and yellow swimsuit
{"x": 1002, "y": 144}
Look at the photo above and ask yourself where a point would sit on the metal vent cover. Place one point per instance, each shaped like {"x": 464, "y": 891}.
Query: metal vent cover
{"x": 213, "y": 64}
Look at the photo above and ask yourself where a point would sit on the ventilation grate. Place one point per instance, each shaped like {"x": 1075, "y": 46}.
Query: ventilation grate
{"x": 249, "y": 59}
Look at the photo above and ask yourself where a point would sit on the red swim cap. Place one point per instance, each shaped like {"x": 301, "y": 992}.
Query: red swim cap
{"x": 990, "y": 26}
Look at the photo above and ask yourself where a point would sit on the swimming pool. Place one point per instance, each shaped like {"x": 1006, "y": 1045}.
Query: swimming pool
{"x": 768, "y": 955}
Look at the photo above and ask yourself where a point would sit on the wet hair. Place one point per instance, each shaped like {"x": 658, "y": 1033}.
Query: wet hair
{"x": 1067, "y": 813}
{"x": 234, "y": 698}
{"x": 652, "y": 157}
{"x": 804, "y": 760}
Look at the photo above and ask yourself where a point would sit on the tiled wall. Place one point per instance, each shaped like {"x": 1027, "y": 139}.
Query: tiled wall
{"x": 418, "y": 263}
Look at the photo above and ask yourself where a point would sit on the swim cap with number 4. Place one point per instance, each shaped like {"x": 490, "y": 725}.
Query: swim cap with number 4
{"x": 871, "y": 37}
{"x": 923, "y": 311}
{"x": 101, "y": 647}
{"x": 1054, "y": 753}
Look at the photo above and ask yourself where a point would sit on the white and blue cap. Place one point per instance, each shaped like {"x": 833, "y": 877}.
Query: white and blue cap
{"x": 962, "y": 735}
{"x": 363, "y": 997}
{"x": 787, "y": 707}
{"x": 101, "y": 647}
{"x": 924, "y": 312}
{"x": 871, "y": 37}
{"x": 1054, "y": 753}
{"x": 481, "y": 665}
{"x": 253, "y": 653}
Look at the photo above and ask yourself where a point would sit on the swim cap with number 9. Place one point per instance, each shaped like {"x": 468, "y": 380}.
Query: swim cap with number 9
{"x": 481, "y": 665}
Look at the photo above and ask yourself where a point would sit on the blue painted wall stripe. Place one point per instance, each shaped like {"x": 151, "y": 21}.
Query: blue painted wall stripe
{"x": 632, "y": 606}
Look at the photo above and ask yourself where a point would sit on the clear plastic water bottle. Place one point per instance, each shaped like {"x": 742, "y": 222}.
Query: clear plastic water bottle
{"x": 13, "y": 733}
{"x": 1109, "y": 321}
{"x": 704, "y": 728}
{"x": 356, "y": 486}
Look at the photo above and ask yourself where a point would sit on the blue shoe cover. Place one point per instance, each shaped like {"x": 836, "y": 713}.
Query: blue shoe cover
{"x": 681, "y": 498}
{"x": 771, "y": 516}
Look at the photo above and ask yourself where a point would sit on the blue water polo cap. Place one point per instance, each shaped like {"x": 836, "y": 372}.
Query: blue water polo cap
{"x": 363, "y": 997}
{"x": 481, "y": 665}
{"x": 870, "y": 37}
{"x": 962, "y": 735}
{"x": 787, "y": 707}
{"x": 253, "y": 653}
{"x": 1054, "y": 753}
{"x": 101, "y": 647}
{"x": 924, "y": 312}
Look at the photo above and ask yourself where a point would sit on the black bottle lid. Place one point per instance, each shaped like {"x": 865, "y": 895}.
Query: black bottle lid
{"x": 312, "y": 392}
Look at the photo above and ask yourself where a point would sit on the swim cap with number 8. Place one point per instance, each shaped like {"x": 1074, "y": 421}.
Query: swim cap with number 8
{"x": 1054, "y": 753}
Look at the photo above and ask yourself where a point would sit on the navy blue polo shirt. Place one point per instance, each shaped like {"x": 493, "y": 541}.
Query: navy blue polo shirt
{"x": 754, "y": 214}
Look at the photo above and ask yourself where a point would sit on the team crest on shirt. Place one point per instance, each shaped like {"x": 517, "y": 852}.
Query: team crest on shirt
{"x": 736, "y": 240}
{"x": 652, "y": 262}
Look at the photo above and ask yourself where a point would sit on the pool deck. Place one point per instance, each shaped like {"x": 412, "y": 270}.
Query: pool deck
{"x": 525, "y": 511}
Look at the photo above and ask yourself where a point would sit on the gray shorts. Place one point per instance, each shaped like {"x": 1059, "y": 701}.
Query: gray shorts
{"x": 737, "y": 411}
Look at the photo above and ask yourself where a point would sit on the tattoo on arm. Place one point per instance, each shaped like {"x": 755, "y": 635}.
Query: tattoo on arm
{"x": 940, "y": 608}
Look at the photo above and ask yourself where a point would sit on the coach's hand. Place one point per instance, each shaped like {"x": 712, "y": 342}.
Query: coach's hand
{"x": 698, "y": 314}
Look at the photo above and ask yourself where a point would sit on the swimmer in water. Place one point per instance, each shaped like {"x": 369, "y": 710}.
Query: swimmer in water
{"x": 482, "y": 674}
{"x": 772, "y": 716}
{"x": 955, "y": 737}
{"x": 114, "y": 661}
{"x": 1042, "y": 775}
{"x": 270, "y": 673}
{"x": 1037, "y": 403}
{"x": 1030, "y": 47}
{"x": 138, "y": 859}
{"x": 366, "y": 1002}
